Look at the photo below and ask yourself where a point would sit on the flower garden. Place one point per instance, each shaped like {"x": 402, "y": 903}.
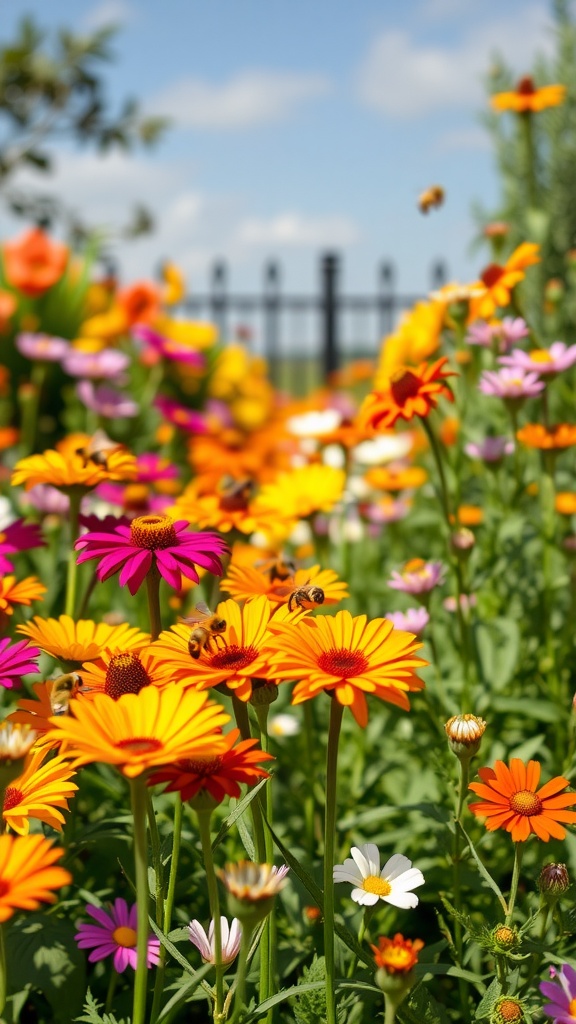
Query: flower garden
{"x": 288, "y": 732}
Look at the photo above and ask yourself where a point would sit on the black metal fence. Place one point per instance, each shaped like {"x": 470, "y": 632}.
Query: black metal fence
{"x": 306, "y": 337}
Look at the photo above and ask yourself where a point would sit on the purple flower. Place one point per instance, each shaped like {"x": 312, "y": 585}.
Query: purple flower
{"x": 510, "y": 383}
{"x": 562, "y": 993}
{"x": 42, "y": 347}
{"x": 169, "y": 349}
{"x": 152, "y": 540}
{"x": 16, "y": 661}
{"x": 48, "y": 500}
{"x": 413, "y": 620}
{"x": 491, "y": 449}
{"x": 187, "y": 419}
{"x": 544, "y": 361}
{"x": 480, "y": 333}
{"x": 115, "y": 935}
{"x": 152, "y": 467}
{"x": 18, "y": 537}
{"x": 105, "y": 400}
{"x": 512, "y": 330}
{"x": 106, "y": 364}
{"x": 417, "y": 577}
{"x": 507, "y": 332}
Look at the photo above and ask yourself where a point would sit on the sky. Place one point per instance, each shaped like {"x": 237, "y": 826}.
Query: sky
{"x": 298, "y": 127}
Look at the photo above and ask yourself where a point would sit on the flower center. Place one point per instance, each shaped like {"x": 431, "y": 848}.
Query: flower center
{"x": 4, "y": 887}
{"x": 140, "y": 745}
{"x": 505, "y": 936}
{"x": 342, "y": 663}
{"x": 124, "y": 936}
{"x": 540, "y": 355}
{"x": 153, "y": 532}
{"x": 12, "y": 798}
{"x": 233, "y": 656}
{"x": 125, "y": 674}
{"x": 200, "y": 765}
{"x": 378, "y": 886}
{"x": 404, "y": 385}
{"x": 526, "y": 803}
{"x": 525, "y": 86}
{"x": 492, "y": 274}
{"x": 397, "y": 959}
{"x": 510, "y": 1011}
{"x": 415, "y": 565}
{"x": 572, "y": 1008}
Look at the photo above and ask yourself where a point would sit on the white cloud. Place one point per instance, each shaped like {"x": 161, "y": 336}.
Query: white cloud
{"x": 251, "y": 98}
{"x": 292, "y": 229}
{"x": 108, "y": 12}
{"x": 401, "y": 77}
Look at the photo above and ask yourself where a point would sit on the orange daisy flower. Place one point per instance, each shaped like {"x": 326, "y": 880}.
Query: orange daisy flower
{"x": 224, "y": 509}
{"x": 36, "y": 713}
{"x": 410, "y": 393}
{"x": 27, "y": 873}
{"x": 511, "y": 800}
{"x": 526, "y": 97}
{"x": 139, "y": 732}
{"x": 246, "y": 581}
{"x": 33, "y": 262}
{"x": 396, "y": 478}
{"x": 38, "y": 792}
{"x": 220, "y": 775}
{"x": 23, "y": 592}
{"x": 397, "y": 955}
{"x": 349, "y": 657}
{"x": 499, "y": 281}
{"x": 122, "y": 671}
{"x": 535, "y": 435}
{"x": 76, "y": 642}
{"x": 566, "y": 503}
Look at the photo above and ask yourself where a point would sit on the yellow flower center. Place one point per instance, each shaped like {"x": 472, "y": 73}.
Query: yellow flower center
{"x": 153, "y": 532}
{"x": 125, "y": 674}
{"x": 376, "y": 885}
{"x": 526, "y": 803}
{"x": 397, "y": 959}
{"x": 2, "y": 538}
{"x": 510, "y": 1011}
{"x": 124, "y": 936}
{"x": 505, "y": 936}
{"x": 342, "y": 663}
{"x": 572, "y": 1008}
{"x": 540, "y": 355}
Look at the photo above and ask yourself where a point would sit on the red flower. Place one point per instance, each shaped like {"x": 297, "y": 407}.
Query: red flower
{"x": 411, "y": 392}
{"x": 219, "y": 774}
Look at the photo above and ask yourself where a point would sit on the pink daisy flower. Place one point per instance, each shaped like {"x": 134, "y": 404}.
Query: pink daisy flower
{"x": 187, "y": 419}
{"x": 152, "y": 467}
{"x": 43, "y": 347}
{"x": 16, "y": 661}
{"x": 510, "y": 383}
{"x": 106, "y": 401}
{"x": 413, "y": 620}
{"x": 417, "y": 577}
{"x": 491, "y": 449}
{"x": 231, "y": 939}
{"x": 562, "y": 994}
{"x": 18, "y": 537}
{"x": 152, "y": 540}
{"x": 169, "y": 349}
{"x": 544, "y": 361}
{"x": 115, "y": 935}
{"x": 107, "y": 364}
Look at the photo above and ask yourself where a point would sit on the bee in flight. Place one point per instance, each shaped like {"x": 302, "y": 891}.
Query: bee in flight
{"x": 300, "y": 596}
{"x": 431, "y": 198}
{"x": 235, "y": 495}
{"x": 207, "y": 627}
{"x": 62, "y": 690}
{"x": 277, "y": 568}
{"x": 98, "y": 448}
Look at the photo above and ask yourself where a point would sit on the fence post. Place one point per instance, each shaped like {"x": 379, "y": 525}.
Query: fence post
{"x": 330, "y": 267}
{"x": 271, "y": 325}
{"x": 438, "y": 274}
{"x": 385, "y": 286}
{"x": 218, "y": 297}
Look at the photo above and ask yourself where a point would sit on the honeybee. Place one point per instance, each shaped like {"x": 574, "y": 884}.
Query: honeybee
{"x": 234, "y": 495}
{"x": 208, "y": 626}
{"x": 431, "y": 198}
{"x": 98, "y": 448}
{"x": 277, "y": 568}
{"x": 62, "y": 690}
{"x": 300, "y": 596}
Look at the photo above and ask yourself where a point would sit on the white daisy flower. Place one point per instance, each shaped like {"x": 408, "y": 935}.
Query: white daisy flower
{"x": 231, "y": 937}
{"x": 393, "y": 884}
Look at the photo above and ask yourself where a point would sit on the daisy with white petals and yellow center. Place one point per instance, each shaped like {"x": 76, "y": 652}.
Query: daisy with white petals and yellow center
{"x": 393, "y": 883}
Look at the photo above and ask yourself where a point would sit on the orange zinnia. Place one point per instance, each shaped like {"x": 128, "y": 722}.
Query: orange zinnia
{"x": 526, "y": 97}
{"x": 396, "y": 477}
{"x": 566, "y": 503}
{"x": 23, "y": 592}
{"x": 220, "y": 775}
{"x": 512, "y": 801}
{"x": 397, "y": 955}
{"x": 499, "y": 280}
{"x": 411, "y": 392}
{"x": 36, "y": 713}
{"x": 535, "y": 435}
{"x": 246, "y": 581}
{"x": 33, "y": 262}
{"x": 28, "y": 874}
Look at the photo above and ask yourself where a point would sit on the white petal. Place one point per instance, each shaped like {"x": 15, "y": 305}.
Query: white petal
{"x": 199, "y": 938}
{"x": 367, "y": 858}
{"x": 395, "y": 866}
{"x": 340, "y": 875}
{"x": 362, "y": 862}
{"x": 405, "y": 900}
{"x": 409, "y": 880}
{"x": 365, "y": 899}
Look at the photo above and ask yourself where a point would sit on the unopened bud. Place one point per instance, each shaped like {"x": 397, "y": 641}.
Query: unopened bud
{"x": 553, "y": 881}
{"x": 507, "y": 1011}
{"x": 505, "y": 939}
{"x": 462, "y": 541}
{"x": 465, "y": 734}
{"x": 263, "y": 692}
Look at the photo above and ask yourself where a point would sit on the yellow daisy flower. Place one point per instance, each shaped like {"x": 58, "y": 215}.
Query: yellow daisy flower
{"x": 39, "y": 792}
{"x": 66, "y": 469}
{"x": 76, "y": 642}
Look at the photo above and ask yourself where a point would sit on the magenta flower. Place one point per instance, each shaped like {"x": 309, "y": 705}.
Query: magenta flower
{"x": 562, "y": 993}
{"x": 544, "y": 361}
{"x": 388, "y": 511}
{"x": 134, "y": 499}
{"x": 169, "y": 349}
{"x": 48, "y": 500}
{"x": 115, "y": 935}
{"x": 152, "y": 467}
{"x": 413, "y": 620}
{"x": 148, "y": 541}
{"x": 231, "y": 939}
{"x": 106, "y": 364}
{"x": 18, "y": 537}
{"x": 491, "y": 449}
{"x": 16, "y": 661}
{"x": 42, "y": 347}
{"x": 510, "y": 383}
{"x": 106, "y": 401}
{"x": 187, "y": 419}
{"x": 417, "y": 577}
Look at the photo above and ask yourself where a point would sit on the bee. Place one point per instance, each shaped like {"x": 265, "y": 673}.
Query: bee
{"x": 208, "y": 626}
{"x": 234, "y": 495}
{"x": 62, "y": 690}
{"x": 98, "y": 448}
{"x": 431, "y": 198}
{"x": 277, "y": 568}
{"x": 300, "y": 596}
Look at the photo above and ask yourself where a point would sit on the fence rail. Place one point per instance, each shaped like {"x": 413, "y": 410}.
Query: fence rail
{"x": 307, "y": 335}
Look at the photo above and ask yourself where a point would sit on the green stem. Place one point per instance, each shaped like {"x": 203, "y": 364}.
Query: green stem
{"x": 156, "y": 857}
{"x": 336, "y": 711}
{"x": 168, "y": 906}
{"x": 518, "y": 851}
{"x": 526, "y": 129}
{"x": 241, "y": 972}
{"x": 3, "y": 975}
{"x": 153, "y": 592}
{"x": 456, "y": 863}
{"x": 111, "y": 990}
{"x": 389, "y": 1010}
{"x": 368, "y": 912}
{"x": 267, "y": 942}
{"x": 31, "y": 407}
{"x": 212, "y": 883}
{"x": 243, "y": 723}
{"x": 74, "y": 518}
{"x": 310, "y": 733}
{"x": 138, "y": 797}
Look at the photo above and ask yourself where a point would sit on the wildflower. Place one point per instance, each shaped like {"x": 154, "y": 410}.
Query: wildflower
{"x": 397, "y": 477}
{"x": 544, "y": 361}
{"x": 140, "y": 302}
{"x": 152, "y": 541}
{"x": 397, "y": 955}
{"x": 467, "y": 601}
{"x": 283, "y": 725}
{"x": 245, "y": 581}
{"x": 219, "y": 774}
{"x": 48, "y": 500}
{"x": 562, "y": 993}
{"x": 417, "y": 577}
{"x": 416, "y": 338}
{"x": 16, "y": 661}
{"x": 410, "y": 393}
{"x": 553, "y": 880}
{"x": 507, "y": 1010}
{"x": 413, "y": 620}
{"x": 565, "y": 503}
{"x": 115, "y": 934}
{"x": 511, "y": 800}
{"x": 252, "y": 889}
{"x": 38, "y": 792}
{"x": 42, "y": 347}
{"x": 122, "y": 671}
{"x": 65, "y": 468}
{"x": 526, "y": 97}
{"x": 510, "y": 383}
{"x": 33, "y": 262}
{"x": 500, "y": 280}
{"x": 302, "y": 492}
{"x": 18, "y": 537}
{"x": 384, "y": 448}
{"x": 506, "y": 332}
{"x": 180, "y": 415}
{"x": 139, "y": 732}
{"x": 231, "y": 939}
{"x": 77, "y": 642}
{"x": 106, "y": 364}
{"x": 106, "y": 401}
{"x": 491, "y": 450}
{"x": 505, "y": 939}
{"x": 347, "y": 657}
{"x": 393, "y": 884}
{"x": 535, "y": 435}
{"x": 28, "y": 874}
{"x": 170, "y": 349}
{"x": 15, "y": 742}
{"x": 464, "y": 734}
{"x": 22, "y": 592}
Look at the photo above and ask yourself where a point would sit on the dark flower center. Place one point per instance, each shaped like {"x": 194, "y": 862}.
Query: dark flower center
{"x": 525, "y": 86}
{"x": 233, "y": 657}
{"x": 125, "y": 674}
{"x": 152, "y": 532}
{"x": 12, "y": 798}
{"x": 404, "y": 385}
{"x": 492, "y": 274}
{"x": 199, "y": 765}
{"x": 525, "y": 802}
{"x": 343, "y": 663}
{"x": 140, "y": 745}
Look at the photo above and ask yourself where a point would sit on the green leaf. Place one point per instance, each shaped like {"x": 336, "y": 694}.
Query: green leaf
{"x": 92, "y": 1013}
{"x": 488, "y": 1000}
{"x": 484, "y": 873}
{"x": 237, "y": 813}
{"x": 425, "y": 1007}
{"x": 41, "y": 952}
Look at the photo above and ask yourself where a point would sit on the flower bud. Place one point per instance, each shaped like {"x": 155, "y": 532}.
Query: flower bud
{"x": 507, "y": 1011}
{"x": 263, "y": 692}
{"x": 465, "y": 734}
{"x": 252, "y": 889}
{"x": 462, "y": 541}
{"x": 505, "y": 939}
{"x": 395, "y": 959}
{"x": 553, "y": 881}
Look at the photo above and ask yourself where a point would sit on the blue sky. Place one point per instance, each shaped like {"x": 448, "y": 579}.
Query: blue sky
{"x": 299, "y": 126}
